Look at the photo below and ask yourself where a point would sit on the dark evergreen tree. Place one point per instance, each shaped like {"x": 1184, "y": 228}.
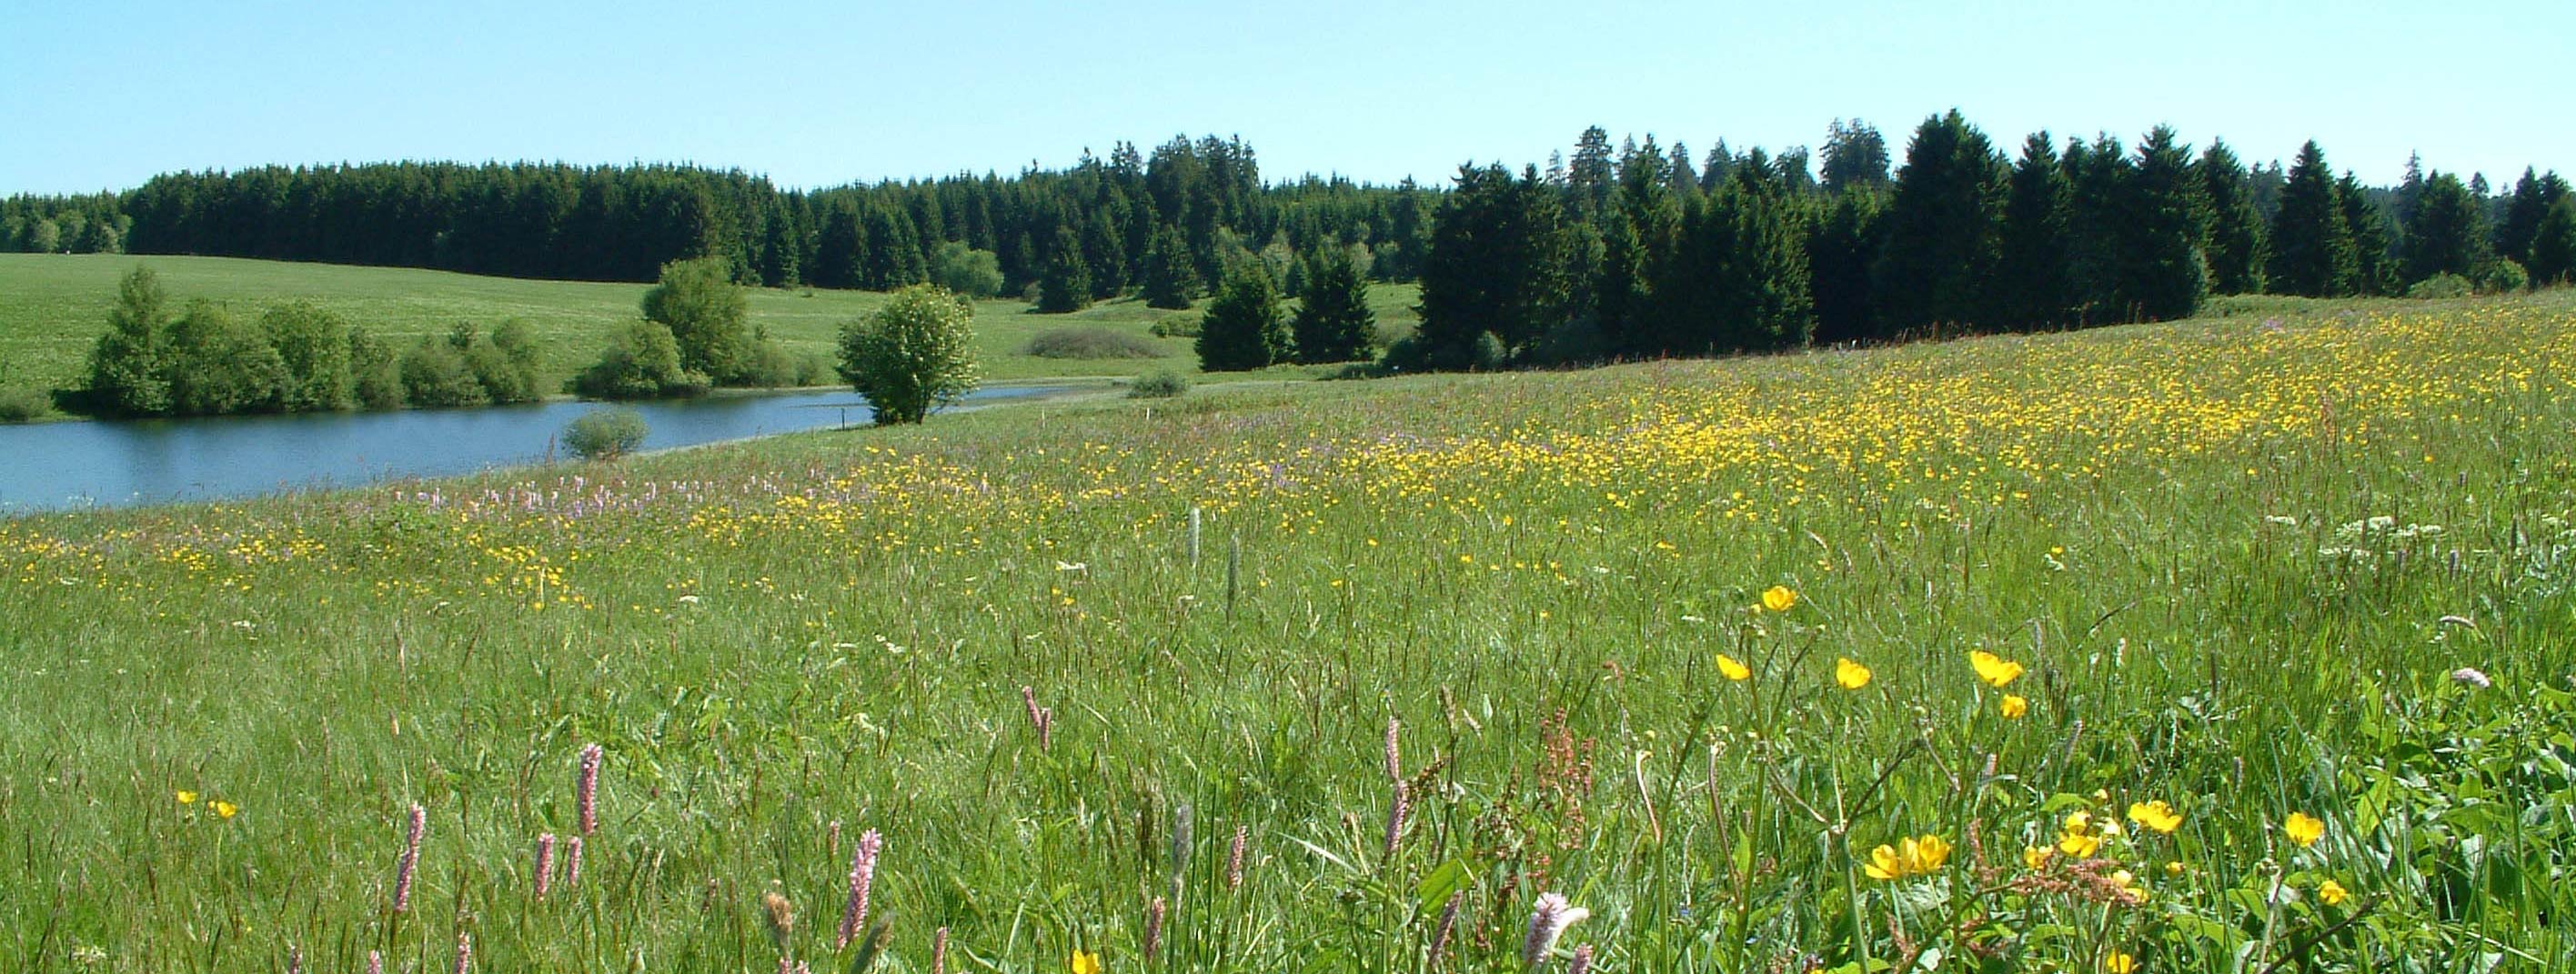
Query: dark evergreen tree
{"x": 2163, "y": 221}
{"x": 2235, "y": 247}
{"x": 1714, "y": 170}
{"x": 841, "y": 248}
{"x": 1067, "y": 284}
{"x": 2312, "y": 250}
{"x": 2553, "y": 245}
{"x": 1170, "y": 282}
{"x": 2530, "y": 203}
{"x": 2097, "y": 174}
{"x": 2032, "y": 279}
{"x": 1591, "y": 177}
{"x": 2448, "y": 234}
{"x": 1943, "y": 229}
{"x": 1104, "y": 254}
{"x": 1620, "y": 294}
{"x": 1496, "y": 265}
{"x": 2374, "y": 272}
{"x": 1334, "y": 323}
{"x": 1854, "y": 155}
{"x": 1243, "y": 328}
{"x": 1841, "y": 247}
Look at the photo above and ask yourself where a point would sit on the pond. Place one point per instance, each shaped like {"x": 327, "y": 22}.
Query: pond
{"x": 59, "y": 466}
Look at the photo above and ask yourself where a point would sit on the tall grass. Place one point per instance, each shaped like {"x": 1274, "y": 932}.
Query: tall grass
{"x": 1472, "y": 649}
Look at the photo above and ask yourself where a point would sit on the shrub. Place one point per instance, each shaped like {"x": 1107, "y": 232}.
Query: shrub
{"x": 505, "y": 363}
{"x": 21, "y": 405}
{"x": 218, "y": 364}
{"x": 915, "y": 353}
{"x": 604, "y": 434}
{"x": 965, "y": 270}
{"x": 767, "y": 365}
{"x": 373, "y": 377}
{"x": 642, "y": 361}
{"x": 127, "y": 373}
{"x": 706, "y": 314}
{"x": 1158, "y": 384}
{"x": 2442, "y": 286}
{"x": 2501, "y": 276}
{"x": 435, "y": 374}
{"x": 314, "y": 346}
{"x": 1177, "y": 326}
{"x": 1090, "y": 343}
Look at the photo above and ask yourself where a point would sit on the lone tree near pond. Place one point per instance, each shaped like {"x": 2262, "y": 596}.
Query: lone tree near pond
{"x": 708, "y": 316}
{"x": 915, "y": 354}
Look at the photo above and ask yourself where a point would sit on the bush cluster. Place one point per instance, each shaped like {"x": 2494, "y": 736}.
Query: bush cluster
{"x": 1092, "y": 342}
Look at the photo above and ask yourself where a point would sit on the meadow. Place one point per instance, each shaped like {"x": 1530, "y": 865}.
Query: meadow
{"x": 2237, "y": 644}
{"x": 54, "y": 306}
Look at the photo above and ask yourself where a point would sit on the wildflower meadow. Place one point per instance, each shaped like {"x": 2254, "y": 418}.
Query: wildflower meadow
{"x": 2238, "y": 644}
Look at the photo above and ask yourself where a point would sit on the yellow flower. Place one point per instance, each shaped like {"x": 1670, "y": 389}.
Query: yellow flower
{"x": 2079, "y": 845}
{"x": 2333, "y": 893}
{"x": 1732, "y": 668}
{"x": 2036, "y": 857}
{"x": 2155, "y": 815}
{"x": 2119, "y": 963}
{"x": 223, "y": 809}
{"x": 1086, "y": 962}
{"x": 187, "y": 797}
{"x": 1852, "y": 676}
{"x": 2303, "y": 829}
{"x": 2173, "y": 868}
{"x": 1911, "y": 857}
{"x": 1995, "y": 670}
{"x": 2014, "y": 706}
{"x": 1779, "y": 598}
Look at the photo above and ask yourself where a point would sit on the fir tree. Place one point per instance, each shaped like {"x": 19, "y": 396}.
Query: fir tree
{"x": 2235, "y": 233}
{"x": 2032, "y": 287}
{"x": 1243, "y": 329}
{"x": 1105, "y": 256}
{"x": 1067, "y": 284}
{"x": 1496, "y": 264}
{"x": 2373, "y": 272}
{"x": 2553, "y": 245}
{"x": 2448, "y": 234}
{"x": 1942, "y": 229}
{"x": 1854, "y": 155}
{"x": 2161, "y": 227}
{"x": 2532, "y": 198}
{"x": 2312, "y": 248}
{"x": 1841, "y": 246}
{"x": 1334, "y": 323}
{"x": 1170, "y": 280}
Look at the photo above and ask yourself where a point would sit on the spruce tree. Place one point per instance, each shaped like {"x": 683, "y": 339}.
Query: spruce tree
{"x": 1243, "y": 328}
{"x": 1854, "y": 155}
{"x": 2162, "y": 225}
{"x": 1170, "y": 281}
{"x": 2530, "y": 203}
{"x": 1334, "y": 323}
{"x": 1105, "y": 256}
{"x": 2448, "y": 234}
{"x": 2373, "y": 271}
{"x": 2032, "y": 287}
{"x": 1496, "y": 264}
{"x": 2235, "y": 232}
{"x": 1619, "y": 292}
{"x": 2553, "y": 245}
{"x": 1841, "y": 246}
{"x": 2312, "y": 249}
{"x": 2097, "y": 174}
{"x": 1067, "y": 284}
{"x": 1943, "y": 226}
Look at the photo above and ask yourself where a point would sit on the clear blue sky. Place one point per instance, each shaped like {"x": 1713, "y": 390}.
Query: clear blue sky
{"x": 103, "y": 95}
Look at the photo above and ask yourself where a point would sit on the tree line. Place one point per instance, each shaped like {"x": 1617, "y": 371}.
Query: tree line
{"x": 1172, "y": 219}
{"x": 1641, "y": 253}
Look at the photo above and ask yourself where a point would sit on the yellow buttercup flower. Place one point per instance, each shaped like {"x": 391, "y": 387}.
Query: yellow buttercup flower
{"x": 2036, "y": 857}
{"x": 2333, "y": 893}
{"x": 2119, "y": 963}
{"x": 187, "y": 797}
{"x": 1910, "y": 857}
{"x": 2079, "y": 845}
{"x": 1733, "y": 669}
{"x": 2156, "y": 815}
{"x": 1086, "y": 962}
{"x": 223, "y": 809}
{"x": 2303, "y": 829}
{"x": 2014, "y": 706}
{"x": 1852, "y": 676}
{"x": 1995, "y": 670}
{"x": 1779, "y": 598}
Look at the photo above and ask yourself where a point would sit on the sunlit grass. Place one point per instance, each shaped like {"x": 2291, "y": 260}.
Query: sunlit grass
{"x": 2223, "y": 575}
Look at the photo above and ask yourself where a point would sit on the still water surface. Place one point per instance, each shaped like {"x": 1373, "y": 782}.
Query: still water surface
{"x": 55, "y": 466}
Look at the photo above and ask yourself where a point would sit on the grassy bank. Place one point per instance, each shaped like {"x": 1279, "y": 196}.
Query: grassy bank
{"x": 2236, "y": 564}
{"x": 53, "y": 307}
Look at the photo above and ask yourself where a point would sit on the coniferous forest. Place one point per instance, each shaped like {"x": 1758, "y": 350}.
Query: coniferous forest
{"x": 1638, "y": 250}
